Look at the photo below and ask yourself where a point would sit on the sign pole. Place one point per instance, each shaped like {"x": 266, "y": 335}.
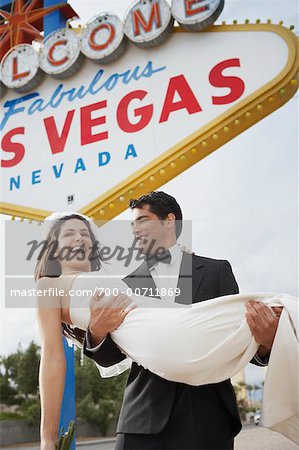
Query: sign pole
{"x": 68, "y": 408}
{"x": 55, "y": 20}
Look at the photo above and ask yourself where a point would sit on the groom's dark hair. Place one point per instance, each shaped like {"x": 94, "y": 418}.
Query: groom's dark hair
{"x": 160, "y": 204}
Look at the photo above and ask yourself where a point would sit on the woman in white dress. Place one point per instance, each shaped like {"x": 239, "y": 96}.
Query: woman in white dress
{"x": 66, "y": 255}
{"x": 215, "y": 325}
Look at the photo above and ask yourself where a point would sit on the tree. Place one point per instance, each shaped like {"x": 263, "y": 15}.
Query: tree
{"x": 240, "y": 389}
{"x": 27, "y": 374}
{"x": 241, "y": 399}
{"x": 249, "y": 388}
{"x": 8, "y": 392}
{"x": 10, "y": 365}
{"x": 100, "y": 413}
{"x": 98, "y": 399}
{"x": 255, "y": 387}
{"x": 21, "y": 369}
{"x": 19, "y": 380}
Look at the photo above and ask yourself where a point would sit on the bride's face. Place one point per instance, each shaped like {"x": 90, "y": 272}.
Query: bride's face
{"x": 74, "y": 246}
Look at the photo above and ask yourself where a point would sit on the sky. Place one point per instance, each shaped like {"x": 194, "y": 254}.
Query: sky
{"x": 242, "y": 199}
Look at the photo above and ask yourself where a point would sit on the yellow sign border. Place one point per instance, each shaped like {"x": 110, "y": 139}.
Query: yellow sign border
{"x": 198, "y": 145}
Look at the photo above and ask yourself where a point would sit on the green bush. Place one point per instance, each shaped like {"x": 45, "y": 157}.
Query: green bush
{"x": 30, "y": 409}
{"x": 99, "y": 413}
{"x": 10, "y": 416}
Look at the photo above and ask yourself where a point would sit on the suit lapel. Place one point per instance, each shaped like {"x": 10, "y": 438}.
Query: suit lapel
{"x": 141, "y": 279}
{"x": 190, "y": 277}
{"x": 197, "y": 275}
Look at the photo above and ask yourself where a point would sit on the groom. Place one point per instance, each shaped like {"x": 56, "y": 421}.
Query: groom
{"x": 156, "y": 413}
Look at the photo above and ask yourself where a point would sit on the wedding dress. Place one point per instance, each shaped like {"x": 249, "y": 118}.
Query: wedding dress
{"x": 206, "y": 342}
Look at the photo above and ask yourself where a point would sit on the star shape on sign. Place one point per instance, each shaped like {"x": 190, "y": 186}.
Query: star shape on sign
{"x": 24, "y": 23}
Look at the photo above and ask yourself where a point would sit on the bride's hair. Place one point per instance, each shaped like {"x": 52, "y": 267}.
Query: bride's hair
{"x": 49, "y": 266}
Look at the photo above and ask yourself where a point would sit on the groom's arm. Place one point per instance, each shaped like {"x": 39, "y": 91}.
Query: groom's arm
{"x": 229, "y": 286}
{"x": 227, "y": 282}
{"x": 106, "y": 314}
{"x": 263, "y": 324}
{"x": 106, "y": 353}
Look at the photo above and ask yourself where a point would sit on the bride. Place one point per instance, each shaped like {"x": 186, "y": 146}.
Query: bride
{"x": 157, "y": 347}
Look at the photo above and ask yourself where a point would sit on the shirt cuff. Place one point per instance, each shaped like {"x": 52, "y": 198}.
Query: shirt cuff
{"x": 88, "y": 343}
{"x": 116, "y": 369}
{"x": 262, "y": 361}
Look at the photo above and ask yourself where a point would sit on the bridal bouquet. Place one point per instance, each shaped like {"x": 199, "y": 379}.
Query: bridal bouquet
{"x": 65, "y": 439}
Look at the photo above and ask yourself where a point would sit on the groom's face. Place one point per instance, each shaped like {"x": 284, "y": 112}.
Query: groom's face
{"x": 149, "y": 230}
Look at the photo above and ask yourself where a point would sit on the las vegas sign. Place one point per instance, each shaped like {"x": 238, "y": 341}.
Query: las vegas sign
{"x": 116, "y": 109}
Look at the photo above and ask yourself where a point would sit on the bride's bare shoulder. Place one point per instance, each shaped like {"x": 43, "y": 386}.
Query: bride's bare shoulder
{"x": 45, "y": 282}
{"x": 63, "y": 282}
{"x": 52, "y": 292}
{"x": 48, "y": 282}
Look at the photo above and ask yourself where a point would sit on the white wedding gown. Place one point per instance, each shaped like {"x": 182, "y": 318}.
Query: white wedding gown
{"x": 206, "y": 342}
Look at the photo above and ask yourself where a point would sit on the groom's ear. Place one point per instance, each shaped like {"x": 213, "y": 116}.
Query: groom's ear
{"x": 170, "y": 219}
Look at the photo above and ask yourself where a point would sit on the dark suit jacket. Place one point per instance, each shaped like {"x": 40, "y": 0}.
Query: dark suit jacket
{"x": 149, "y": 399}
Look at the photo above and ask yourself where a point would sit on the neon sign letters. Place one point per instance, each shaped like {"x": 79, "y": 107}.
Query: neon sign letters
{"x": 147, "y": 24}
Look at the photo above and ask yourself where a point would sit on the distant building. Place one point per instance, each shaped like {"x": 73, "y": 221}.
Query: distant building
{"x": 239, "y": 383}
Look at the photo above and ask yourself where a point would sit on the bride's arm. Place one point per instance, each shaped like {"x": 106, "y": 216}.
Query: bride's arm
{"x": 52, "y": 365}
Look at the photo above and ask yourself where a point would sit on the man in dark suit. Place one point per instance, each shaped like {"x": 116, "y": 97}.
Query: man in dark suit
{"x": 156, "y": 413}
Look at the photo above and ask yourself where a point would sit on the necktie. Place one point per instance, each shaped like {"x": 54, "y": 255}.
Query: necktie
{"x": 164, "y": 258}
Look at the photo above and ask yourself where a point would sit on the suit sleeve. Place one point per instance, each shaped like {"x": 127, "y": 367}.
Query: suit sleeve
{"x": 229, "y": 286}
{"x": 227, "y": 282}
{"x": 106, "y": 355}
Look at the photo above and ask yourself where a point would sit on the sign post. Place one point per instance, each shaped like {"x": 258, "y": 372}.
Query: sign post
{"x": 55, "y": 20}
{"x": 68, "y": 408}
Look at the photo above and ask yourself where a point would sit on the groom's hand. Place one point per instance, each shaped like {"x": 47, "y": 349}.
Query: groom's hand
{"x": 106, "y": 314}
{"x": 263, "y": 324}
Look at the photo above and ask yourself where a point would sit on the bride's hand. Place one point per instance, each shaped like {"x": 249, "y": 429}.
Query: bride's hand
{"x": 186, "y": 250}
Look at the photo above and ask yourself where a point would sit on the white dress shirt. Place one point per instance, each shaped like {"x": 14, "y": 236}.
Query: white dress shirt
{"x": 166, "y": 276}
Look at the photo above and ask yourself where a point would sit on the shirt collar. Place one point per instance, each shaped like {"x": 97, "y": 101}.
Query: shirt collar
{"x": 175, "y": 252}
